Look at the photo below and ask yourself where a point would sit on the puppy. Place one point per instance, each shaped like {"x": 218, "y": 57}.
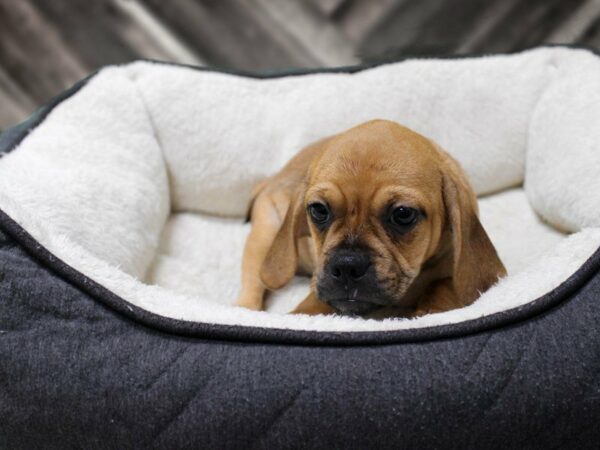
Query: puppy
{"x": 382, "y": 218}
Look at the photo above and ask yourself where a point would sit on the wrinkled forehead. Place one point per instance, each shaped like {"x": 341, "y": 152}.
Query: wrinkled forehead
{"x": 347, "y": 197}
{"x": 361, "y": 163}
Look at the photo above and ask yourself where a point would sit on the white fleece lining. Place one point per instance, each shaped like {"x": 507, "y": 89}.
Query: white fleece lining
{"x": 132, "y": 178}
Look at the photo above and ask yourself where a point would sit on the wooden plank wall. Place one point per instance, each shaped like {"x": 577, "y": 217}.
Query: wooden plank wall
{"x": 46, "y": 45}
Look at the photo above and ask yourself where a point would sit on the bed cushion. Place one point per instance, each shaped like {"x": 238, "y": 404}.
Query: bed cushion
{"x": 121, "y": 226}
{"x": 140, "y": 180}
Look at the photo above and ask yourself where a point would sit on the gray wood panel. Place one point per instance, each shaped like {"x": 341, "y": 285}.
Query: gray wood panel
{"x": 46, "y": 45}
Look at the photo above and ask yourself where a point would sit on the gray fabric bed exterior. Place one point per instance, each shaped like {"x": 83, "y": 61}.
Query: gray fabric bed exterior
{"x": 82, "y": 368}
{"x": 78, "y": 374}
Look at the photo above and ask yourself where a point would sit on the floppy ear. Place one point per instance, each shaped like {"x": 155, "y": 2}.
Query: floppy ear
{"x": 257, "y": 189}
{"x": 476, "y": 265}
{"x": 281, "y": 261}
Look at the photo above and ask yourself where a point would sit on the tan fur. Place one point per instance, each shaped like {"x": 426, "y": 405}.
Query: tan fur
{"x": 441, "y": 264}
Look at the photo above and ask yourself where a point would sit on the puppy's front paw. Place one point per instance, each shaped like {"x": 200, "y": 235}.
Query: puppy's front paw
{"x": 312, "y": 306}
{"x": 249, "y": 302}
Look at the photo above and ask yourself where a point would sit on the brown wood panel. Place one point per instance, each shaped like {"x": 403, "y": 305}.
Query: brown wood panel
{"x": 400, "y": 26}
{"x": 14, "y": 102}
{"x": 33, "y": 53}
{"x": 91, "y": 29}
{"x": 592, "y": 35}
{"x": 579, "y": 23}
{"x": 150, "y": 38}
{"x": 46, "y": 45}
{"x": 445, "y": 28}
{"x": 359, "y": 17}
{"x": 225, "y": 33}
{"x": 487, "y": 23}
{"x": 312, "y": 31}
{"x": 105, "y": 32}
{"x": 527, "y": 24}
{"x": 328, "y": 7}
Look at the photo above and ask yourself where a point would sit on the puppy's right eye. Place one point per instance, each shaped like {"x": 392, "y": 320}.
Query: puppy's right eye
{"x": 402, "y": 218}
{"x": 319, "y": 213}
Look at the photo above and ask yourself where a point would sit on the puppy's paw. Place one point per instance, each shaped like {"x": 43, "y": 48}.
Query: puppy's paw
{"x": 312, "y": 306}
{"x": 249, "y": 302}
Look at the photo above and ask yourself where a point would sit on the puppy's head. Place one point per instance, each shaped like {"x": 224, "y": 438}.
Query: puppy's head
{"x": 385, "y": 208}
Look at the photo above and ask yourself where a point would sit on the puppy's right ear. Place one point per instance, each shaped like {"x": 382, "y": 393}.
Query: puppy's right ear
{"x": 281, "y": 262}
{"x": 476, "y": 265}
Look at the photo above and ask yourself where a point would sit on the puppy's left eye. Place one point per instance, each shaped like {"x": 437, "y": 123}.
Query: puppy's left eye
{"x": 403, "y": 217}
{"x": 319, "y": 213}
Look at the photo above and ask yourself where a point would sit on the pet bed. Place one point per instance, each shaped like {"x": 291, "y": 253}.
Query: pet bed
{"x": 121, "y": 218}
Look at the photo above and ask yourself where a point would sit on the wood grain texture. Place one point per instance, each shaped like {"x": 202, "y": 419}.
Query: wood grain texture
{"x": 45, "y": 46}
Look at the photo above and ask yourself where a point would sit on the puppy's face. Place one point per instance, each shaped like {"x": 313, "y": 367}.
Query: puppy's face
{"x": 375, "y": 211}
{"x": 393, "y": 221}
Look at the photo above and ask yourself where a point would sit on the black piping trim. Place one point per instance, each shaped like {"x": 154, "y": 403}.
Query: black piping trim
{"x": 542, "y": 305}
{"x": 266, "y": 75}
{"x": 12, "y": 137}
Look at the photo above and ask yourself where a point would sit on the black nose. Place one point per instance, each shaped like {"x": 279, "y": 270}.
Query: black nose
{"x": 349, "y": 265}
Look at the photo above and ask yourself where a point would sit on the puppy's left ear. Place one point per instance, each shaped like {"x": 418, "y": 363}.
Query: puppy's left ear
{"x": 476, "y": 265}
{"x": 281, "y": 262}
{"x": 256, "y": 190}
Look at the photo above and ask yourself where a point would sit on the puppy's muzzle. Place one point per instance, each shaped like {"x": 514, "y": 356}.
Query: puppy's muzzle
{"x": 349, "y": 283}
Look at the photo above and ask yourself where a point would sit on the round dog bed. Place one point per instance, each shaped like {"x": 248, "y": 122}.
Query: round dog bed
{"x": 121, "y": 217}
